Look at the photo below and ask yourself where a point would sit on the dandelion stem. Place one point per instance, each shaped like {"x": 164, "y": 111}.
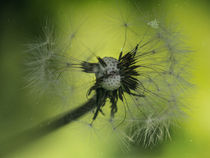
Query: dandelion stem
{"x": 46, "y": 127}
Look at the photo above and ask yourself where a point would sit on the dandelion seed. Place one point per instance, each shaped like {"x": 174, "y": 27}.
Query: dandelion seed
{"x": 45, "y": 64}
{"x": 154, "y": 24}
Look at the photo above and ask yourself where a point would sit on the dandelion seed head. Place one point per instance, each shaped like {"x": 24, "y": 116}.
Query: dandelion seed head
{"x": 112, "y": 81}
{"x": 146, "y": 79}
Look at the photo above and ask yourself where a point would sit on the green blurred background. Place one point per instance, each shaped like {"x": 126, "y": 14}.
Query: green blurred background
{"x": 22, "y": 20}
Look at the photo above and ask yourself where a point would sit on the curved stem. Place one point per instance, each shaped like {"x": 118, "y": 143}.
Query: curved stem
{"x": 46, "y": 127}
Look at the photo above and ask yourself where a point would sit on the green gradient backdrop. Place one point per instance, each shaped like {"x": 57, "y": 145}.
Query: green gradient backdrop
{"x": 21, "y": 21}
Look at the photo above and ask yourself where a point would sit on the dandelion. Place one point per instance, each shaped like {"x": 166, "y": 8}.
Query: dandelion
{"x": 147, "y": 81}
